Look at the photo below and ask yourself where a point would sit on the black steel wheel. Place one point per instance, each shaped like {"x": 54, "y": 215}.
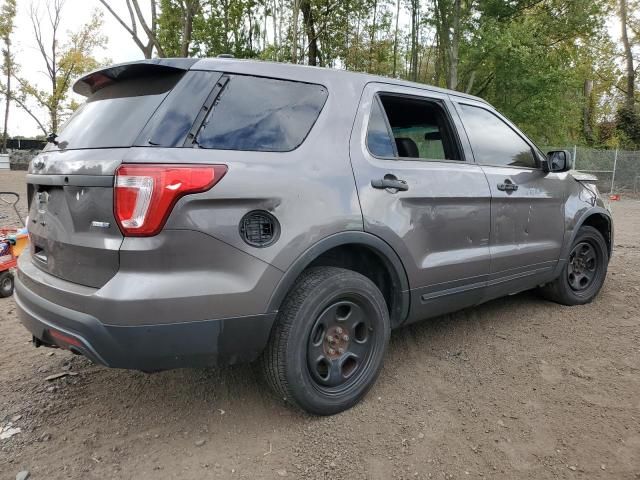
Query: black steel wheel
{"x": 341, "y": 343}
{"x": 584, "y": 272}
{"x": 583, "y": 266}
{"x": 6, "y": 284}
{"x": 328, "y": 343}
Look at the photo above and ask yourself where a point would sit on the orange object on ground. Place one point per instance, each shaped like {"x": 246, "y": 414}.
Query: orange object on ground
{"x": 615, "y": 197}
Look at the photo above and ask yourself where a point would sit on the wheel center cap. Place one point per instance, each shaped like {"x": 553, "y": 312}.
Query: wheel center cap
{"x": 336, "y": 341}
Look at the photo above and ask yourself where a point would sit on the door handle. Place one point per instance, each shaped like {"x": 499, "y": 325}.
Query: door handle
{"x": 390, "y": 181}
{"x": 507, "y": 186}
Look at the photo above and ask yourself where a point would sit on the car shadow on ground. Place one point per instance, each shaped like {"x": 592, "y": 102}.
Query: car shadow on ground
{"x": 240, "y": 389}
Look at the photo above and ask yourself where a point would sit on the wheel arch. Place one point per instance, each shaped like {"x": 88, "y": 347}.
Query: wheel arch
{"x": 598, "y": 218}
{"x": 354, "y": 250}
{"x": 601, "y": 222}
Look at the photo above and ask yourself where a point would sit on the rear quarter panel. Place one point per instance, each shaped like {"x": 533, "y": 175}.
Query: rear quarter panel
{"x": 310, "y": 190}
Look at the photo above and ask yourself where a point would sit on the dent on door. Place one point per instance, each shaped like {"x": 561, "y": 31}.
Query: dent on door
{"x": 528, "y": 223}
{"x": 439, "y": 225}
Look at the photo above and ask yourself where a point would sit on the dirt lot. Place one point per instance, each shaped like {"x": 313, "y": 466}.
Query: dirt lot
{"x": 517, "y": 388}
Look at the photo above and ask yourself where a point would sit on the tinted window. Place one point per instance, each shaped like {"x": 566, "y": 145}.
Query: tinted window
{"x": 420, "y": 128}
{"x": 493, "y": 142}
{"x": 262, "y": 114}
{"x": 115, "y": 115}
{"x": 378, "y": 138}
{"x": 175, "y": 117}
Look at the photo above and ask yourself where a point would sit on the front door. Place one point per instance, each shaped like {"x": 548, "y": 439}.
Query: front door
{"x": 527, "y": 204}
{"x": 420, "y": 194}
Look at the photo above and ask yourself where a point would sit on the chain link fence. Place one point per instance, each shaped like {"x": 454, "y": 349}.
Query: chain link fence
{"x": 618, "y": 171}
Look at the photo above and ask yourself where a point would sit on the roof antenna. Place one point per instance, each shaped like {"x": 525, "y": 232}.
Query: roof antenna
{"x": 226, "y": 55}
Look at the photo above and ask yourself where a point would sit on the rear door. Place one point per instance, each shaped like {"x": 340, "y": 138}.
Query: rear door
{"x": 420, "y": 194}
{"x": 527, "y": 204}
{"x": 74, "y": 235}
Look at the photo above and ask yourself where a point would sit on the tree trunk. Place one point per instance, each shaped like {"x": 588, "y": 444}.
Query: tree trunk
{"x": 294, "y": 31}
{"x": 373, "y": 35}
{"x": 310, "y": 28}
{"x": 274, "y": 15}
{"x": 472, "y": 80}
{"x": 452, "y": 79}
{"x": 587, "y": 111}
{"x": 395, "y": 41}
{"x": 628, "y": 54}
{"x": 414, "y": 40}
{"x": 190, "y": 9}
{"x": 7, "y": 98}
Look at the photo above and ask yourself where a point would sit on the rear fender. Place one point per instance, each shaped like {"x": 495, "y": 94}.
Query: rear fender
{"x": 382, "y": 249}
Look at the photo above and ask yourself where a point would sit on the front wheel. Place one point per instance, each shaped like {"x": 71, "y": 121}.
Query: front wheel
{"x": 329, "y": 340}
{"x": 585, "y": 271}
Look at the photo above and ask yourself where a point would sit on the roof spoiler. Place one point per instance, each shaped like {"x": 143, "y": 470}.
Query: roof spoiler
{"x": 98, "y": 79}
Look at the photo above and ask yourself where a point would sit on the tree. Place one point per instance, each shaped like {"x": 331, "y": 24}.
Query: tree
{"x": 628, "y": 56}
{"x": 7, "y": 16}
{"x": 175, "y": 26}
{"x": 137, "y": 18}
{"x": 63, "y": 62}
{"x": 550, "y": 65}
{"x": 628, "y": 116}
{"x": 310, "y": 30}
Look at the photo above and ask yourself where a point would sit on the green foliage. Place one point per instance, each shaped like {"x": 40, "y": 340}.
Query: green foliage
{"x": 532, "y": 60}
{"x": 628, "y": 124}
{"x": 170, "y": 27}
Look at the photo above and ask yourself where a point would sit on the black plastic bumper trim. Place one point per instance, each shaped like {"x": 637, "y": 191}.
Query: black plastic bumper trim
{"x": 148, "y": 347}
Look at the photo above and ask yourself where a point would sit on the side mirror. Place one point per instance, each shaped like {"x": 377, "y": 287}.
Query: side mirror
{"x": 558, "y": 161}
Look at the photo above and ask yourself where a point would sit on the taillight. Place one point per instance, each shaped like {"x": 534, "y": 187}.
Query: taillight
{"x": 145, "y": 194}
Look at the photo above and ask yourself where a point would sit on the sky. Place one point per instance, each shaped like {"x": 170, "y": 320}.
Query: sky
{"x": 119, "y": 48}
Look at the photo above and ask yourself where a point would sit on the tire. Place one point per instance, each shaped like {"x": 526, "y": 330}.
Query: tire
{"x": 6, "y": 284}
{"x": 328, "y": 343}
{"x": 584, "y": 273}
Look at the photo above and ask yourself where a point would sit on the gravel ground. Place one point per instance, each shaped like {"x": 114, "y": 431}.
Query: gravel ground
{"x": 516, "y": 388}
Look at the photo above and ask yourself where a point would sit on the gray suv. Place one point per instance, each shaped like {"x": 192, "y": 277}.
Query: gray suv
{"x": 215, "y": 211}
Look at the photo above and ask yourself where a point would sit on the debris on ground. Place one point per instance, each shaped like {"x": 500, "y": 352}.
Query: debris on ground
{"x": 56, "y": 376}
{"x": 9, "y": 431}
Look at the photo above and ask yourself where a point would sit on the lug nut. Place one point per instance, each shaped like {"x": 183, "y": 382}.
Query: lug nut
{"x": 330, "y": 339}
{"x": 332, "y": 351}
{"x": 341, "y": 351}
{"x": 345, "y": 338}
{"x": 339, "y": 330}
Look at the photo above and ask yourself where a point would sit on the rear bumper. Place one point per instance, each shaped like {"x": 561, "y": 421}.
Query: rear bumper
{"x": 144, "y": 347}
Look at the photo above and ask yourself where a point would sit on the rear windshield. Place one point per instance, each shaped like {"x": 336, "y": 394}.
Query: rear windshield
{"x": 262, "y": 114}
{"x": 115, "y": 115}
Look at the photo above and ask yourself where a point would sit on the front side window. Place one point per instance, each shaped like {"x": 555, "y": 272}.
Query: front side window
{"x": 493, "y": 141}
{"x": 262, "y": 114}
{"x": 419, "y": 129}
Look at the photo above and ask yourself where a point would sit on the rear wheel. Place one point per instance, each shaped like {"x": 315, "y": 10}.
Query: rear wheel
{"x": 6, "y": 284}
{"x": 585, "y": 271}
{"x": 328, "y": 344}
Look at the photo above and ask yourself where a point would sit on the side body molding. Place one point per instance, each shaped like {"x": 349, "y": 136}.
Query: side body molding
{"x": 378, "y": 246}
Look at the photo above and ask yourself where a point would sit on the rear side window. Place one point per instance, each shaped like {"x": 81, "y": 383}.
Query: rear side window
{"x": 420, "y": 129}
{"x": 378, "y": 139}
{"x": 262, "y": 114}
{"x": 493, "y": 141}
{"x": 115, "y": 115}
